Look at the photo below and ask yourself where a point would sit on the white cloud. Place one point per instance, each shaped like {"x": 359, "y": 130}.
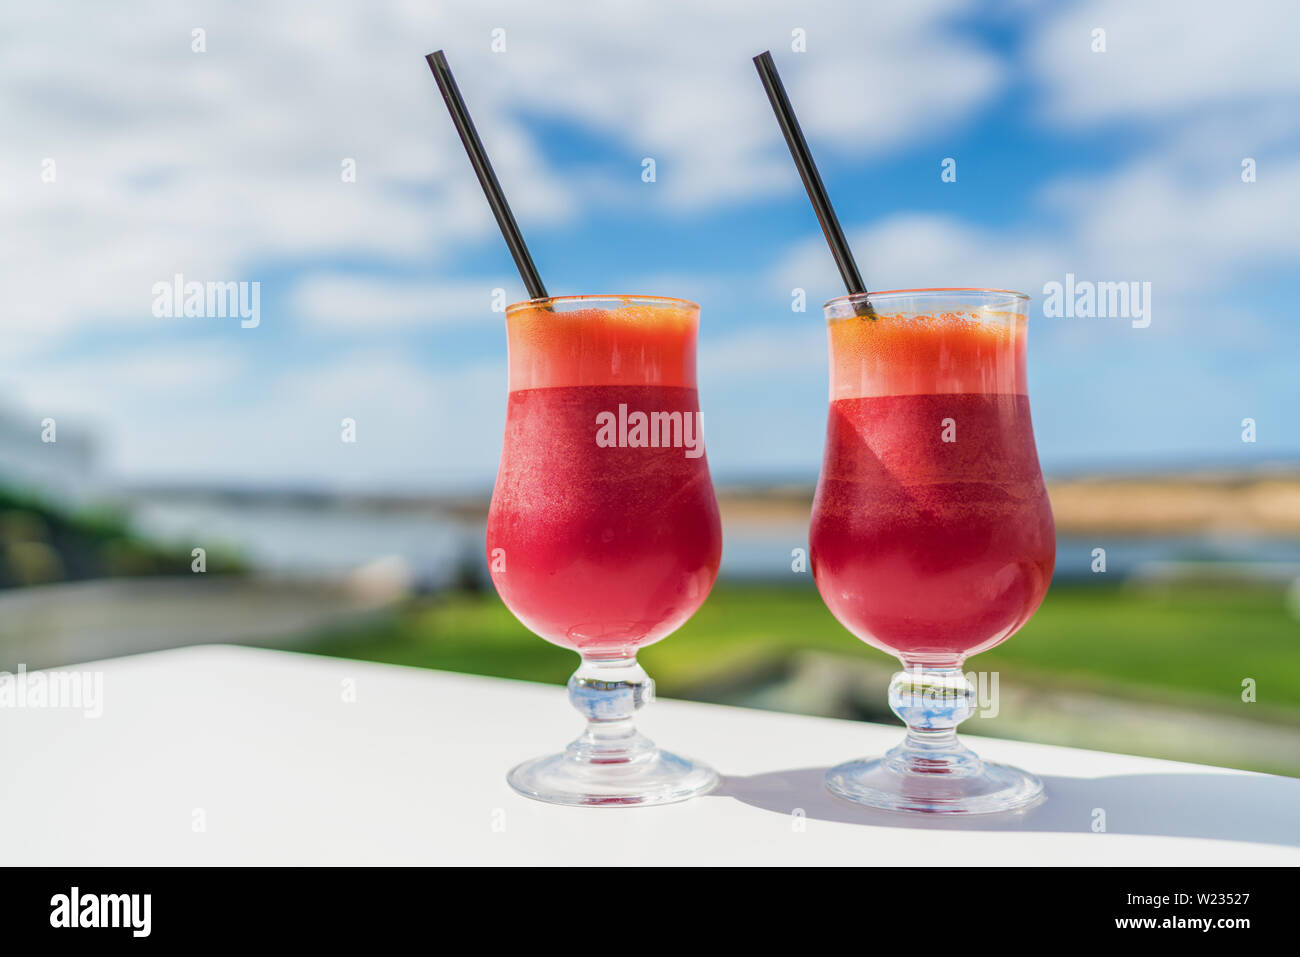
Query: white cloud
{"x": 795, "y": 345}
{"x": 1187, "y": 231}
{"x": 415, "y": 429}
{"x": 334, "y": 302}
{"x": 916, "y": 251}
{"x": 1161, "y": 222}
{"x": 1165, "y": 58}
{"x": 213, "y": 420}
{"x": 146, "y": 378}
{"x": 872, "y": 77}
{"x": 216, "y": 164}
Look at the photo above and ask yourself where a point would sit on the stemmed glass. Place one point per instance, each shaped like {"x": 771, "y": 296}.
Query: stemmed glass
{"x": 932, "y": 537}
{"x": 603, "y": 535}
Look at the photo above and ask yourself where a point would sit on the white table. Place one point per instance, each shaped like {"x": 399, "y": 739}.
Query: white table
{"x": 262, "y": 750}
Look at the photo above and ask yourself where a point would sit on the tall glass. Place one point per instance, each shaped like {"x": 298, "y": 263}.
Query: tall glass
{"x": 603, "y": 534}
{"x": 932, "y": 537}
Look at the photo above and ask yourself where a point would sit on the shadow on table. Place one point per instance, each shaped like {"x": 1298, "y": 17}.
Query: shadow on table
{"x": 1227, "y": 807}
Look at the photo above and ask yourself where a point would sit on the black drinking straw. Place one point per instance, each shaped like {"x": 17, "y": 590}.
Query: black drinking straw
{"x": 487, "y": 178}
{"x": 812, "y": 180}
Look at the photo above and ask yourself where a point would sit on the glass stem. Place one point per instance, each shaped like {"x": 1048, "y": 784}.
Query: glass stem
{"x": 932, "y": 700}
{"x": 608, "y": 692}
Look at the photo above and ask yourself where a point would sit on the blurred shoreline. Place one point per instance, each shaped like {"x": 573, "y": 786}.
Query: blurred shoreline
{"x": 1210, "y": 516}
{"x": 1263, "y": 501}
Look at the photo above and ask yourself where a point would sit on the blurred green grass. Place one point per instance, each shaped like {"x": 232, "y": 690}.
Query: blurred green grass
{"x": 1185, "y": 645}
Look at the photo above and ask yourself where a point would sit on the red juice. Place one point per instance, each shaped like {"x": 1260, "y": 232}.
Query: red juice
{"x": 596, "y": 541}
{"x": 932, "y": 536}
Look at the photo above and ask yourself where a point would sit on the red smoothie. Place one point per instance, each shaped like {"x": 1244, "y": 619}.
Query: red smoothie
{"x": 927, "y": 549}
{"x": 598, "y": 540}
{"x": 932, "y": 537}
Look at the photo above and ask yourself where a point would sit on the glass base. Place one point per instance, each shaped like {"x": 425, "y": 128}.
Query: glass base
{"x": 972, "y": 788}
{"x": 656, "y": 777}
{"x": 931, "y": 771}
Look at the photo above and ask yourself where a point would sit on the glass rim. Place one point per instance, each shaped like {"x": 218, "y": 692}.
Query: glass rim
{"x": 873, "y": 297}
{"x": 620, "y": 298}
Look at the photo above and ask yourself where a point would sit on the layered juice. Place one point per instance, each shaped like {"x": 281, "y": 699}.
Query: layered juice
{"x": 603, "y": 533}
{"x": 932, "y": 536}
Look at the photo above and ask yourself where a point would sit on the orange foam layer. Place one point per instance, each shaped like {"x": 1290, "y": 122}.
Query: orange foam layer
{"x": 908, "y": 354}
{"x": 626, "y": 345}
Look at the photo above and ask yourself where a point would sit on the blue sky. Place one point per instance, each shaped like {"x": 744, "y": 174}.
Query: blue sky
{"x": 224, "y": 164}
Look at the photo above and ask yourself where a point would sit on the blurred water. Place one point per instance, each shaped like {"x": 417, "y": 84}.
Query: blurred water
{"x": 311, "y": 541}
